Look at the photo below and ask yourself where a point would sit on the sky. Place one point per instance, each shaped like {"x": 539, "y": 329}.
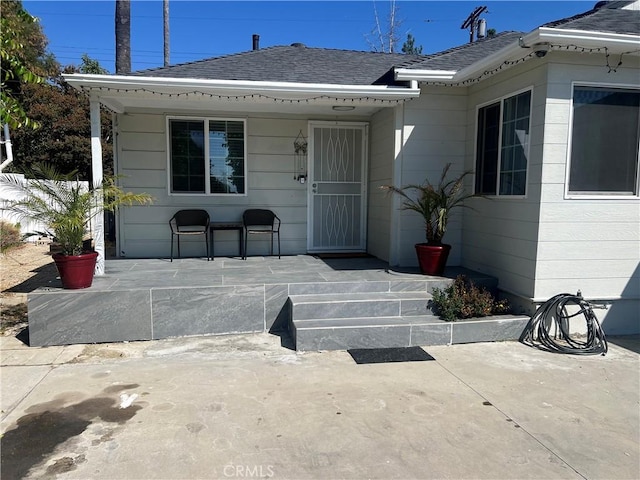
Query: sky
{"x": 207, "y": 28}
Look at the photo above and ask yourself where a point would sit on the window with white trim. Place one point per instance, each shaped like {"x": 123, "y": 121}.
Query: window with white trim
{"x": 207, "y": 156}
{"x": 605, "y": 141}
{"x": 502, "y": 148}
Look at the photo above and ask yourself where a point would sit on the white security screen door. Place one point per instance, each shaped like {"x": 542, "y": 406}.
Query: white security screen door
{"x": 337, "y": 187}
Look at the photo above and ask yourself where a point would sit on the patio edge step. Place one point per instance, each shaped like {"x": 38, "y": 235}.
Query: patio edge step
{"x": 390, "y": 332}
{"x": 359, "y": 305}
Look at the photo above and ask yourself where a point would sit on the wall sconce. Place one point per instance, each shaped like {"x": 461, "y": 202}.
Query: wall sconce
{"x": 300, "y": 158}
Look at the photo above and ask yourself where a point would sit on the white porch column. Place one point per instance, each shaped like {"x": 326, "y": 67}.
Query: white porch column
{"x": 398, "y": 152}
{"x": 96, "y": 171}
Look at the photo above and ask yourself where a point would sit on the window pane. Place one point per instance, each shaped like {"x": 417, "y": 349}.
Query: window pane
{"x": 226, "y": 162}
{"x": 226, "y": 156}
{"x": 487, "y": 149}
{"x": 187, "y": 156}
{"x": 515, "y": 144}
{"x": 604, "y": 143}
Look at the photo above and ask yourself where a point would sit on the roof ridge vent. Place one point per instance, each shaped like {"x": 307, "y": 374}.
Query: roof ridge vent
{"x": 298, "y": 45}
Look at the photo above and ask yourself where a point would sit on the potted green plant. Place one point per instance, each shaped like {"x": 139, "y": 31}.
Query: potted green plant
{"x": 434, "y": 203}
{"x": 66, "y": 207}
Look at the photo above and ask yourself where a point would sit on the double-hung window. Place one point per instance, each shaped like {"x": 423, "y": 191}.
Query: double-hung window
{"x": 502, "y": 148}
{"x": 605, "y": 141}
{"x": 207, "y": 156}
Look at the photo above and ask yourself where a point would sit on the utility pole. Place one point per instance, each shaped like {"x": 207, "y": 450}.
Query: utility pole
{"x": 123, "y": 37}
{"x": 472, "y": 21}
{"x": 165, "y": 17}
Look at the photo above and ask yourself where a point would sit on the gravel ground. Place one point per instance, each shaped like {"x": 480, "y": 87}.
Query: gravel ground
{"x": 22, "y": 270}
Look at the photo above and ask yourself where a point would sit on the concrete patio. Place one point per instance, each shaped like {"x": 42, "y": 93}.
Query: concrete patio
{"x": 241, "y": 406}
{"x": 323, "y": 303}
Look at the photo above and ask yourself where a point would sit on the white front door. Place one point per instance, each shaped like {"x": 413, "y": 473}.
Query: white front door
{"x": 337, "y": 187}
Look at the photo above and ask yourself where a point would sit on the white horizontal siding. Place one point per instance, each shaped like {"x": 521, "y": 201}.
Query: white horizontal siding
{"x": 592, "y": 245}
{"x": 559, "y": 232}
{"x": 143, "y": 142}
{"x": 576, "y": 213}
{"x": 550, "y": 270}
{"x": 142, "y": 160}
{"x": 500, "y": 234}
{"x": 381, "y": 139}
{"x": 434, "y": 134}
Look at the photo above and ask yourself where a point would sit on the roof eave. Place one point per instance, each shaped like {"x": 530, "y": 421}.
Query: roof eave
{"x": 129, "y": 83}
{"x": 408, "y": 74}
{"x": 456, "y": 76}
{"x": 614, "y": 42}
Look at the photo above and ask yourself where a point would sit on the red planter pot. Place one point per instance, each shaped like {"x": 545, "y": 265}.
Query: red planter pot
{"x": 432, "y": 258}
{"x": 76, "y": 271}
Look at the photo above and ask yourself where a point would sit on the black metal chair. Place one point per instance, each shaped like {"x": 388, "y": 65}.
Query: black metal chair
{"x": 259, "y": 221}
{"x": 189, "y": 222}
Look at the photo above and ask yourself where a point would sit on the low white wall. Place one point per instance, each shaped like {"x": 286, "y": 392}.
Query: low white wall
{"x": 27, "y": 226}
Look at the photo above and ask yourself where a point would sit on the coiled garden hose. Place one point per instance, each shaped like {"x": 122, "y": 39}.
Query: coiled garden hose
{"x": 555, "y": 314}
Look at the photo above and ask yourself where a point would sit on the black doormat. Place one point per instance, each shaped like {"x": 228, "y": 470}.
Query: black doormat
{"x": 343, "y": 255}
{"x": 388, "y": 355}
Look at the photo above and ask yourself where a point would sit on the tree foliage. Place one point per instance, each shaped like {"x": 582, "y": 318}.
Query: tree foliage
{"x": 24, "y": 61}
{"x": 409, "y": 46}
{"x": 64, "y": 138}
{"x": 34, "y": 94}
{"x": 89, "y": 65}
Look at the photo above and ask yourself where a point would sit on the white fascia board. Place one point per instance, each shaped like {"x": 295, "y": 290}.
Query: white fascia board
{"x": 405, "y": 74}
{"x": 239, "y": 87}
{"x": 582, "y": 38}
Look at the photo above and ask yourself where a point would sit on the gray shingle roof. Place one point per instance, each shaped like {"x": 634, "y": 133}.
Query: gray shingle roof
{"x": 605, "y": 17}
{"x": 300, "y": 64}
{"x": 464, "y": 55}
{"x": 295, "y": 63}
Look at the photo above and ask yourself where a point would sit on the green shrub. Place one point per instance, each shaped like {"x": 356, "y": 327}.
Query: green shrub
{"x": 463, "y": 299}
{"x": 9, "y": 236}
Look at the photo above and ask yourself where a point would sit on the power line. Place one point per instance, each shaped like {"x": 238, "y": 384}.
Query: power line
{"x": 230, "y": 18}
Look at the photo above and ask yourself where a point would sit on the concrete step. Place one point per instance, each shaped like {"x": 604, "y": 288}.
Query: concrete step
{"x": 359, "y": 305}
{"x": 401, "y": 331}
{"x": 395, "y": 285}
{"x": 385, "y": 314}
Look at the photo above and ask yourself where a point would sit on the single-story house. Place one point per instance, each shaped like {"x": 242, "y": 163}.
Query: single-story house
{"x": 547, "y": 120}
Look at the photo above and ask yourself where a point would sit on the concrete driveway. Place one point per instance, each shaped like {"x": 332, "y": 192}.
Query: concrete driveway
{"x": 245, "y": 407}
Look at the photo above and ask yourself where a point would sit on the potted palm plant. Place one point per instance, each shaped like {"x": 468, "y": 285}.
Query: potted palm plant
{"x": 434, "y": 203}
{"x": 66, "y": 207}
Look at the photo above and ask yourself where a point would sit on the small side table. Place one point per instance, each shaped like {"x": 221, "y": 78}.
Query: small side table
{"x": 213, "y": 226}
